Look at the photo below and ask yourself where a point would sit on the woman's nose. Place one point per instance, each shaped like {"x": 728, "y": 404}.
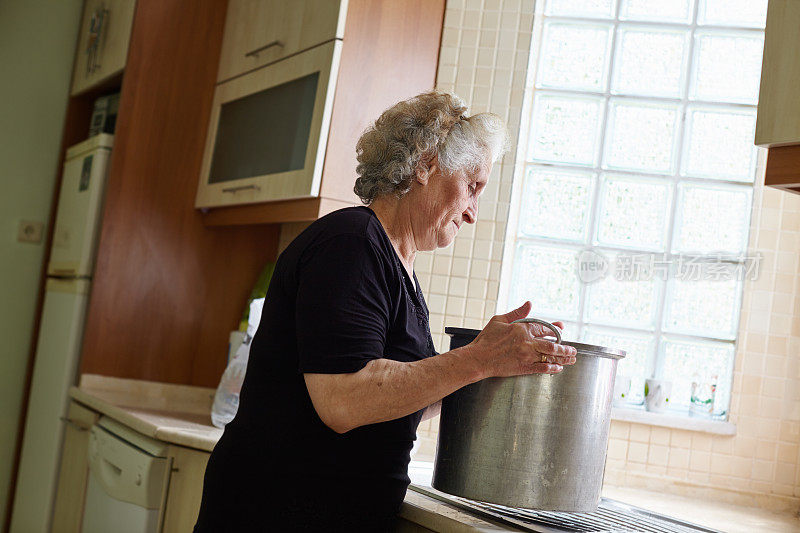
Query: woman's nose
{"x": 471, "y": 214}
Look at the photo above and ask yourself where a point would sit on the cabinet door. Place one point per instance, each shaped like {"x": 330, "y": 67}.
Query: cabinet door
{"x": 74, "y": 471}
{"x": 259, "y": 32}
{"x": 778, "y": 120}
{"x": 103, "y": 42}
{"x": 268, "y": 131}
{"x": 185, "y": 489}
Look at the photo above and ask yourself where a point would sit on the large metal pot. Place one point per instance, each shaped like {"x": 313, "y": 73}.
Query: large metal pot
{"x": 536, "y": 441}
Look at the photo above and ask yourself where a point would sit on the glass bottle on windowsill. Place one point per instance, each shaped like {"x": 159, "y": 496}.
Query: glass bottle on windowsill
{"x": 703, "y": 395}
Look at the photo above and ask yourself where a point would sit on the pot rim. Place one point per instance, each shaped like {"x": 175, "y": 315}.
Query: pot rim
{"x": 583, "y": 349}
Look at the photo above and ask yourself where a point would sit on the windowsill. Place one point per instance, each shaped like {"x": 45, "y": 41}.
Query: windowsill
{"x": 673, "y": 420}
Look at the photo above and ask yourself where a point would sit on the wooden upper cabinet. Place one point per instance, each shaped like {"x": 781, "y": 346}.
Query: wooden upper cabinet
{"x": 778, "y": 123}
{"x": 268, "y": 131}
{"x": 389, "y": 52}
{"x": 103, "y": 42}
{"x": 260, "y": 32}
{"x": 779, "y": 98}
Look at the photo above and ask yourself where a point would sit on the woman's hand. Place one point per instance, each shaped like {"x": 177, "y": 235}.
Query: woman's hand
{"x": 505, "y": 349}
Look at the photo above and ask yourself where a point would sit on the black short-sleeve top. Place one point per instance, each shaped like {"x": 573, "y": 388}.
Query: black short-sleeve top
{"x": 339, "y": 298}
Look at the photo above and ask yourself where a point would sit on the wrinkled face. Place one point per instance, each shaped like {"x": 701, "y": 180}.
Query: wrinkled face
{"x": 448, "y": 201}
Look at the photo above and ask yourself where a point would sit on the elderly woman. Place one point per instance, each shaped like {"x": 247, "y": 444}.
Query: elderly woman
{"x": 342, "y": 367}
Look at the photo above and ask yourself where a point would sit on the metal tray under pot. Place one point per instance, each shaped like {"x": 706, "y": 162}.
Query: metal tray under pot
{"x": 535, "y": 442}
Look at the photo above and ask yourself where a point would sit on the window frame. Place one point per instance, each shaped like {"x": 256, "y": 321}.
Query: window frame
{"x": 685, "y": 104}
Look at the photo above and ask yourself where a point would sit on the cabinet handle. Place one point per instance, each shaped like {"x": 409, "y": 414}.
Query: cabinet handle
{"x": 261, "y": 49}
{"x": 241, "y": 188}
{"x": 73, "y": 424}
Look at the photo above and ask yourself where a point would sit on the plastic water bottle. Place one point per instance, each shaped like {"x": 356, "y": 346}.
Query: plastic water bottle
{"x": 226, "y": 399}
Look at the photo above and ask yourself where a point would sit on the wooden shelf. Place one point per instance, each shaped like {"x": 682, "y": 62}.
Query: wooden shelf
{"x": 783, "y": 168}
{"x": 297, "y": 210}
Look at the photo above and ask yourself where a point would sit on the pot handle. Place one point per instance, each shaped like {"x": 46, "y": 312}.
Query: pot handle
{"x": 544, "y": 323}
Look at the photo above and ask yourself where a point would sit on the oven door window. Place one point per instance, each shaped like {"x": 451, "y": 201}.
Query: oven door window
{"x": 266, "y": 132}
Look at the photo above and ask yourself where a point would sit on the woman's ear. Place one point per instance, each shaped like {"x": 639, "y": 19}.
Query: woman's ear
{"x": 423, "y": 173}
{"x": 425, "y": 170}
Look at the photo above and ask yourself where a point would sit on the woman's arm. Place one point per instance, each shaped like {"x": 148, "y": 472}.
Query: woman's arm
{"x": 385, "y": 389}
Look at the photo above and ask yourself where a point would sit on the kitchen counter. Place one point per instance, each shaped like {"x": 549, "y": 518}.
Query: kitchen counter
{"x": 718, "y": 515}
{"x": 180, "y": 414}
{"x": 177, "y": 414}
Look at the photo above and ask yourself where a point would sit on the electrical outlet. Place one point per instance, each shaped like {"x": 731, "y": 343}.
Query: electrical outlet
{"x": 30, "y": 231}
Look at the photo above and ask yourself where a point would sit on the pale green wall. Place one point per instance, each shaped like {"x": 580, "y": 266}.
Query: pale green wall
{"x": 37, "y": 45}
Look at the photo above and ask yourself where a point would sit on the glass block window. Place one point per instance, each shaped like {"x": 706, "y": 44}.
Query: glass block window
{"x": 633, "y": 216}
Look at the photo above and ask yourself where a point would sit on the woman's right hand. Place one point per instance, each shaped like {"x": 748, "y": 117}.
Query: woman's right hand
{"x": 506, "y": 349}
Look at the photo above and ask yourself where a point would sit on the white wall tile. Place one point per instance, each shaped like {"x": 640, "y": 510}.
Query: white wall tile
{"x": 471, "y": 20}
{"x": 461, "y": 267}
{"x": 458, "y": 286}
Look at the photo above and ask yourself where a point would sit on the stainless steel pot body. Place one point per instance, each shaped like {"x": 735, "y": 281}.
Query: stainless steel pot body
{"x": 536, "y": 441}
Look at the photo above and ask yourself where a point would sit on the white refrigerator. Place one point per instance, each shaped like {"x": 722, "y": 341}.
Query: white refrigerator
{"x": 69, "y": 275}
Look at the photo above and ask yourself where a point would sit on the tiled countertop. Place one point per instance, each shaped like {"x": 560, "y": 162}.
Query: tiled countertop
{"x": 178, "y": 414}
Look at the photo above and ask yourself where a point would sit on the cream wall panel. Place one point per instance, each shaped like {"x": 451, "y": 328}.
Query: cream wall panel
{"x": 37, "y": 51}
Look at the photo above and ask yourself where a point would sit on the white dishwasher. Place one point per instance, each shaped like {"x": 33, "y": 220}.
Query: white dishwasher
{"x": 126, "y": 480}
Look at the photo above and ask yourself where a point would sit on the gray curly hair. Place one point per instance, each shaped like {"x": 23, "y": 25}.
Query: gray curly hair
{"x": 410, "y": 133}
